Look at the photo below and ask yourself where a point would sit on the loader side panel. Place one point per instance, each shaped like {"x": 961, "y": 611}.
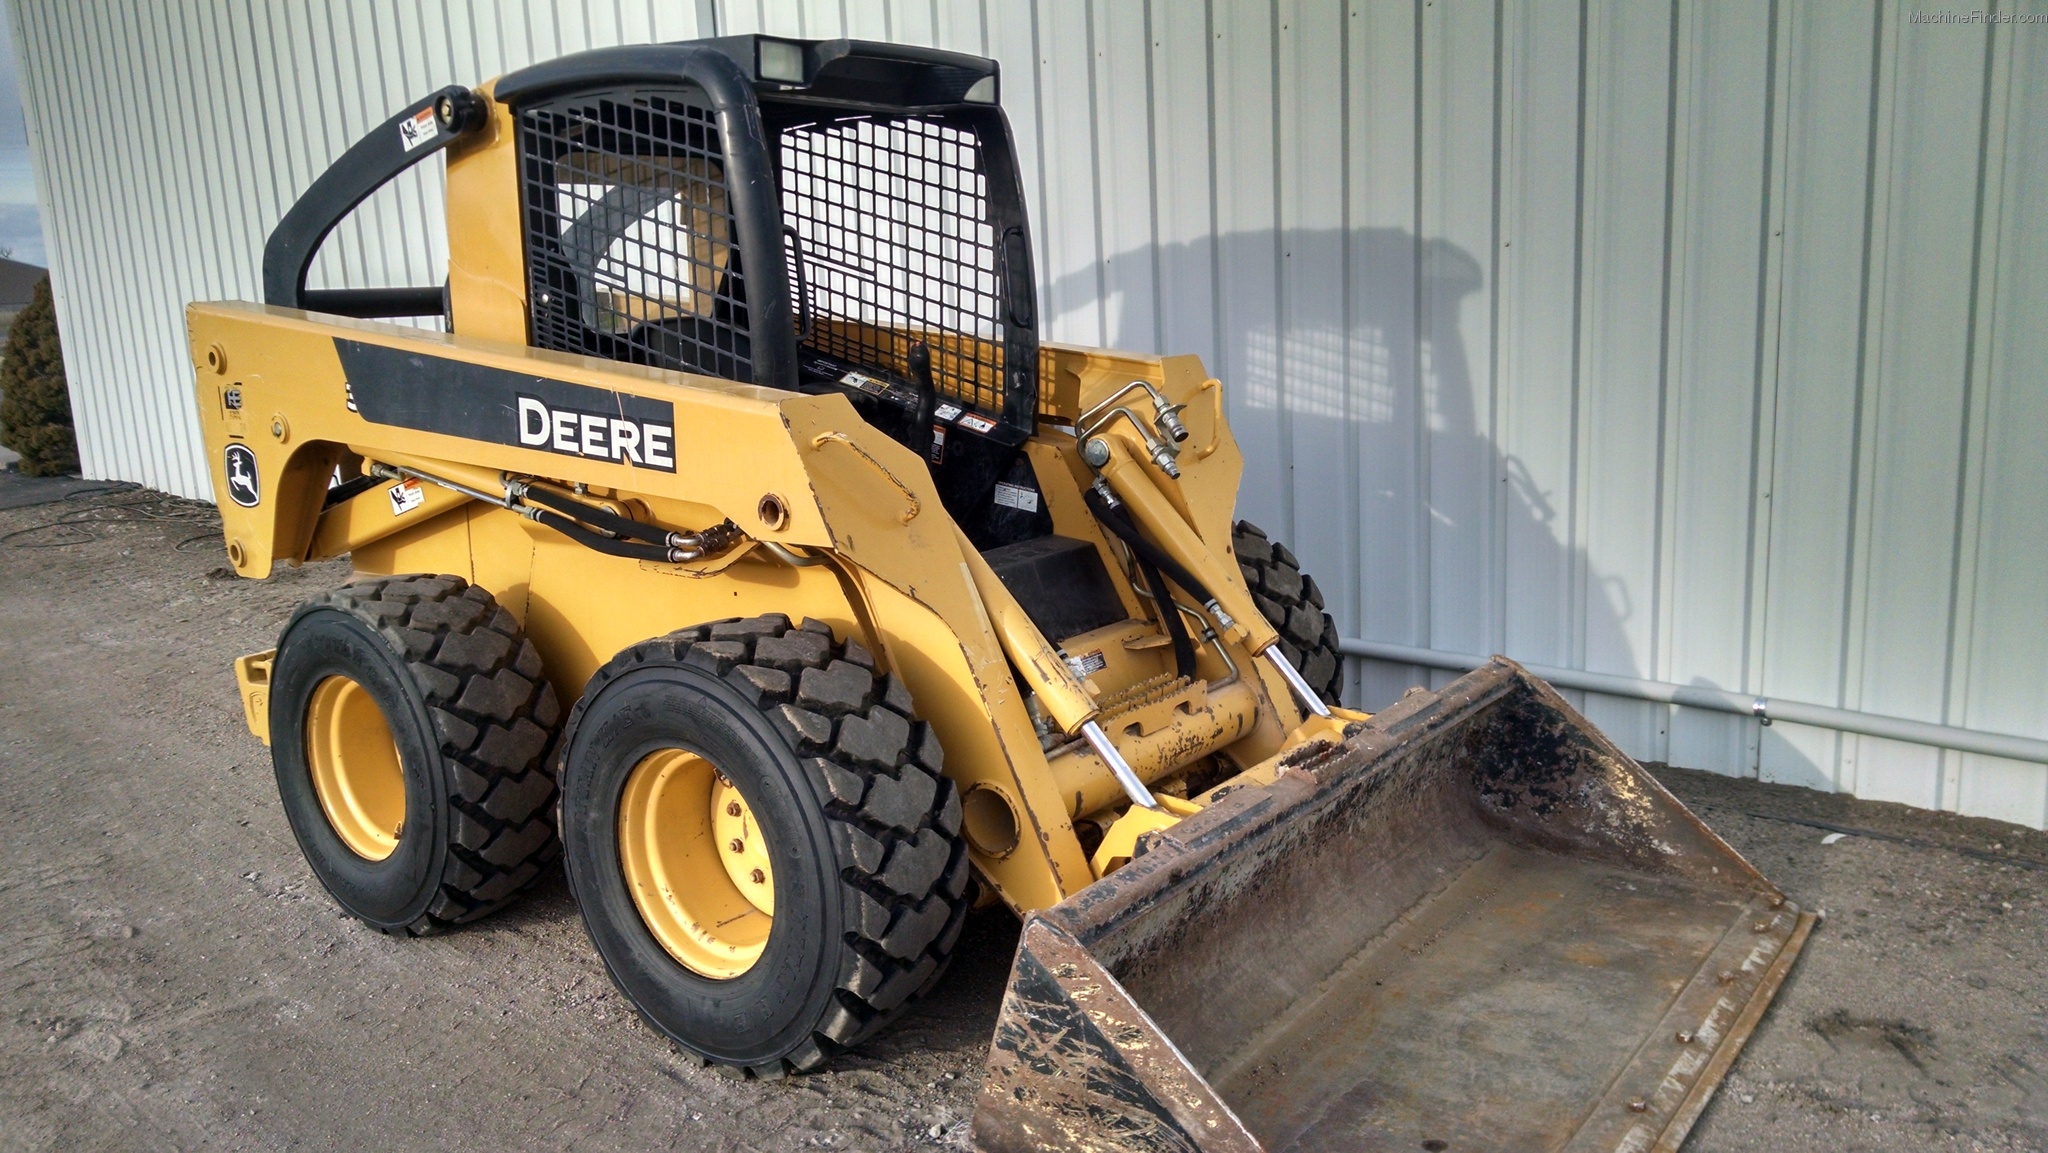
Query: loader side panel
{"x": 577, "y": 631}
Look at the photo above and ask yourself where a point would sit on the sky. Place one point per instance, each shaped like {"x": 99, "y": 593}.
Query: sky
{"x": 21, "y": 231}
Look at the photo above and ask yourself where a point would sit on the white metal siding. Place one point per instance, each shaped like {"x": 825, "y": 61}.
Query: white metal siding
{"x": 1694, "y": 341}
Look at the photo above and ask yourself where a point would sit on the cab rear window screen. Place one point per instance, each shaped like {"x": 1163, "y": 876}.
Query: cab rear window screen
{"x": 891, "y": 235}
{"x": 630, "y": 233}
{"x": 893, "y": 242}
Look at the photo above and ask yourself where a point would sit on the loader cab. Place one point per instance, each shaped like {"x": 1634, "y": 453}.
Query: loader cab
{"x": 822, "y": 216}
{"x": 813, "y": 215}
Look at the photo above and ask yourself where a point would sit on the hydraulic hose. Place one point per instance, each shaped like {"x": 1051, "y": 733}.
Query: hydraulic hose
{"x": 590, "y": 538}
{"x": 614, "y": 535}
{"x": 1169, "y": 616}
{"x": 605, "y": 519}
{"x": 662, "y": 544}
{"x": 1118, "y": 520}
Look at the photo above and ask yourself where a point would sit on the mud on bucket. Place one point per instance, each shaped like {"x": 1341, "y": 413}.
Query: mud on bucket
{"x": 1476, "y": 924}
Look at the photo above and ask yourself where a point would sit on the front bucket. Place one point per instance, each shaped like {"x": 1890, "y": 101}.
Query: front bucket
{"x": 1475, "y": 925}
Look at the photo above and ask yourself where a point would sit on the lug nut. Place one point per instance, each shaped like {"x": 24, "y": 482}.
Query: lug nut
{"x": 1639, "y": 1106}
{"x": 737, "y": 845}
{"x": 732, "y": 808}
{"x": 1685, "y": 1036}
{"x": 760, "y": 878}
{"x": 1761, "y": 926}
{"x": 1727, "y": 975}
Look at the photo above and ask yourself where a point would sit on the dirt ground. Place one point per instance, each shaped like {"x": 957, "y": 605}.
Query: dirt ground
{"x": 171, "y": 976}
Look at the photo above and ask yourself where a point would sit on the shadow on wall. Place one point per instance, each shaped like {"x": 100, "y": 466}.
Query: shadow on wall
{"x": 1368, "y": 451}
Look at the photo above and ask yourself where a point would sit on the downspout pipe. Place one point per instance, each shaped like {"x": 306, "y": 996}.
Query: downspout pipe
{"x": 1765, "y": 709}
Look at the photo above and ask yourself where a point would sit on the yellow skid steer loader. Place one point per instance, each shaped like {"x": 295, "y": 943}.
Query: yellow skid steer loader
{"x": 740, "y": 544}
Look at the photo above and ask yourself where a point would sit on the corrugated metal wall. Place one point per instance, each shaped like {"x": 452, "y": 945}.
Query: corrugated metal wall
{"x": 1693, "y": 341}
{"x": 171, "y": 136}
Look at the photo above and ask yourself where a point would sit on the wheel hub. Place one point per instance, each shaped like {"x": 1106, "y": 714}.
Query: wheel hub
{"x": 696, "y": 863}
{"x": 355, "y": 767}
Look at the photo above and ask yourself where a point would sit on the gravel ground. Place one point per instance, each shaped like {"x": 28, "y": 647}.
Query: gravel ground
{"x": 171, "y": 976}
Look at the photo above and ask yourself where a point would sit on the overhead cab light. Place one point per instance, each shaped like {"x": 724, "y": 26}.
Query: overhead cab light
{"x": 782, "y": 61}
{"x": 983, "y": 91}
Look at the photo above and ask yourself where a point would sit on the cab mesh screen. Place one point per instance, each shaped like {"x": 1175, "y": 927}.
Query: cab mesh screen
{"x": 891, "y": 242}
{"x": 630, "y": 236}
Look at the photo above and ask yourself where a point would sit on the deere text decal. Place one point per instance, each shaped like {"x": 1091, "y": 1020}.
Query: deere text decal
{"x": 597, "y": 435}
{"x": 405, "y": 389}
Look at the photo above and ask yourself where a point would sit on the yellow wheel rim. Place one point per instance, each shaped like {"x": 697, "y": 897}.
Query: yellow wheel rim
{"x": 356, "y": 771}
{"x": 696, "y": 864}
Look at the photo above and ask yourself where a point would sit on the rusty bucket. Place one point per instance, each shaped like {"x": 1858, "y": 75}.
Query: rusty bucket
{"x": 1474, "y": 925}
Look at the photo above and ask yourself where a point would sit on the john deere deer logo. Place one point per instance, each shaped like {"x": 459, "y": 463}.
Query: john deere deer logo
{"x": 243, "y": 487}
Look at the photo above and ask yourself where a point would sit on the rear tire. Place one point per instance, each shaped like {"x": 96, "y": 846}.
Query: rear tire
{"x": 839, "y": 781}
{"x": 1290, "y": 601}
{"x": 445, "y": 812}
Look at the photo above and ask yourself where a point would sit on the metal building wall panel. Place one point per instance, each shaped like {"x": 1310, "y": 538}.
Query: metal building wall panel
{"x": 1831, "y": 51}
{"x": 138, "y": 105}
{"x": 1460, "y": 177}
{"x": 1688, "y": 341}
{"x": 1311, "y": 351}
{"x": 1183, "y": 102}
{"x": 1710, "y": 385}
{"x": 1246, "y": 167}
{"x": 106, "y": 442}
{"x": 1075, "y": 301}
{"x": 1915, "y": 398}
{"x": 963, "y": 24}
{"x": 2000, "y": 644}
{"x": 1387, "y": 598}
{"x": 1537, "y": 254}
{"x": 912, "y": 23}
{"x": 1624, "y": 252}
{"x": 1124, "y": 239}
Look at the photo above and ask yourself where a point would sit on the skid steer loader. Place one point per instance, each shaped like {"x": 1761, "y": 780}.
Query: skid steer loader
{"x": 741, "y": 543}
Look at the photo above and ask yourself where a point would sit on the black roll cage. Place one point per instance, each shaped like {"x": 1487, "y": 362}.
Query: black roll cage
{"x": 838, "y": 77}
{"x": 370, "y": 164}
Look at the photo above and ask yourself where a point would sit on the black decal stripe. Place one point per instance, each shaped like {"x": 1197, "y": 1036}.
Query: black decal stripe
{"x": 408, "y": 389}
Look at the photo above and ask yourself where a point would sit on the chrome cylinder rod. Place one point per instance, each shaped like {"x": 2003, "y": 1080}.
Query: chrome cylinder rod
{"x": 1302, "y": 693}
{"x": 1118, "y": 767}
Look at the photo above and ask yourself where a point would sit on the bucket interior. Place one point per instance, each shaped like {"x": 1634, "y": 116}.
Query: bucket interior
{"x": 1483, "y": 927}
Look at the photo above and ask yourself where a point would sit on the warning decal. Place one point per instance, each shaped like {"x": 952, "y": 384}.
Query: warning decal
{"x": 406, "y": 496}
{"x": 421, "y": 128}
{"x": 1087, "y": 664}
{"x": 1016, "y": 496}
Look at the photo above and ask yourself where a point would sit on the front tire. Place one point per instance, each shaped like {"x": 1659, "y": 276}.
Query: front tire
{"x": 1290, "y": 601}
{"x": 761, "y": 840}
{"x": 410, "y": 731}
